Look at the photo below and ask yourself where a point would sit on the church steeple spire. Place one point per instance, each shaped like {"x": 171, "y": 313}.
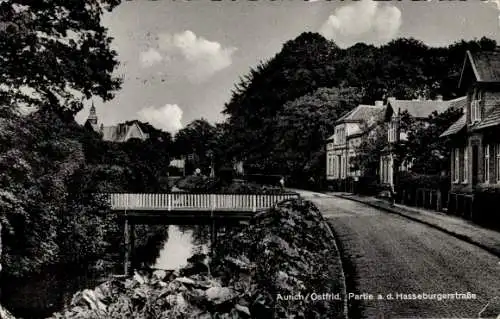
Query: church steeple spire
{"x": 92, "y": 119}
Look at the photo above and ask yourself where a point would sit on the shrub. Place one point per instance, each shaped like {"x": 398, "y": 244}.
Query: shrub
{"x": 198, "y": 184}
{"x": 414, "y": 180}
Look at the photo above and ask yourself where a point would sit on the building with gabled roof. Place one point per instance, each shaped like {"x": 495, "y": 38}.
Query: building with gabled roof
{"x": 116, "y": 133}
{"x": 475, "y": 137}
{"x": 350, "y": 129}
{"x": 419, "y": 110}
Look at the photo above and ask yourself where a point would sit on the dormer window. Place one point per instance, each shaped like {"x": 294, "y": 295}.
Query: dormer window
{"x": 393, "y": 131}
{"x": 475, "y": 107}
{"x": 340, "y": 137}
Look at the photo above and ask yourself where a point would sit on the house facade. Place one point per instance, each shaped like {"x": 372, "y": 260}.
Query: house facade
{"x": 475, "y": 137}
{"x": 350, "y": 130}
{"x": 419, "y": 110}
{"x": 116, "y": 133}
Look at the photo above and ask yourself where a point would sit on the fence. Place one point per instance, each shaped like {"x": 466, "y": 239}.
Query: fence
{"x": 423, "y": 197}
{"x": 188, "y": 201}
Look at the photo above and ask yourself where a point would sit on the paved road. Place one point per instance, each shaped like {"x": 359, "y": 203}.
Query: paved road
{"x": 385, "y": 253}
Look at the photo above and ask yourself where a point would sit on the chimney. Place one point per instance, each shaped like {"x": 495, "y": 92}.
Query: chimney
{"x": 379, "y": 103}
{"x": 439, "y": 97}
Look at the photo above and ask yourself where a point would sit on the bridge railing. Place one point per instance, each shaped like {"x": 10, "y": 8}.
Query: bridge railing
{"x": 183, "y": 201}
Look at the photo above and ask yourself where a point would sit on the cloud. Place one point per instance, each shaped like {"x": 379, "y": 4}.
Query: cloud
{"x": 167, "y": 117}
{"x": 363, "y": 21}
{"x": 195, "y": 57}
{"x": 150, "y": 57}
{"x": 496, "y": 3}
{"x": 187, "y": 55}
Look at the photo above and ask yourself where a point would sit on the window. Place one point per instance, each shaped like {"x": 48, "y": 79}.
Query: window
{"x": 342, "y": 167}
{"x": 486, "y": 164}
{"x": 497, "y": 163}
{"x": 332, "y": 166}
{"x": 392, "y": 132}
{"x": 456, "y": 174}
{"x": 329, "y": 165}
{"x": 475, "y": 107}
{"x": 340, "y": 135}
{"x": 465, "y": 166}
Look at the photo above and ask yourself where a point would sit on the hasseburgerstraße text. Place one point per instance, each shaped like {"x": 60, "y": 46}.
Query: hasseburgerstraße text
{"x": 326, "y": 296}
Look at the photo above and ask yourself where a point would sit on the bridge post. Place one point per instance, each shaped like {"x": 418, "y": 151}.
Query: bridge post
{"x": 169, "y": 201}
{"x": 213, "y": 235}
{"x": 126, "y": 233}
{"x": 254, "y": 203}
{"x": 129, "y": 234}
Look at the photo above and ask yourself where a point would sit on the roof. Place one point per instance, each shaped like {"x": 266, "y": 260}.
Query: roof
{"x": 122, "y": 132}
{"x": 459, "y": 103}
{"x": 455, "y": 127}
{"x": 485, "y": 65}
{"x": 362, "y": 113}
{"x": 490, "y": 119}
{"x": 424, "y": 108}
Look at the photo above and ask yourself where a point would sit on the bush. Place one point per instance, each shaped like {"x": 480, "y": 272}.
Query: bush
{"x": 198, "y": 184}
{"x": 408, "y": 180}
{"x": 264, "y": 179}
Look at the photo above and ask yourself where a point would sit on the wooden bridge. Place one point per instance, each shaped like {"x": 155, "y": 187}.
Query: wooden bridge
{"x": 187, "y": 208}
{"x": 192, "y": 208}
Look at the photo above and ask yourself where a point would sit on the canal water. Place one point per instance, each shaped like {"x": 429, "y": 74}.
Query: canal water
{"x": 41, "y": 295}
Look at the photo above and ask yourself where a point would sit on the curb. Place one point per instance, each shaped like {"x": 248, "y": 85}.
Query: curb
{"x": 343, "y": 283}
{"x": 465, "y": 238}
{"x": 342, "y": 273}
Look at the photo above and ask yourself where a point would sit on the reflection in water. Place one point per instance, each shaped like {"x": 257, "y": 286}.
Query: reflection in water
{"x": 182, "y": 243}
{"x": 38, "y": 296}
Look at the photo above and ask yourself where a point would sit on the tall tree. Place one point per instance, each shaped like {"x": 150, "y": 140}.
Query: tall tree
{"x": 303, "y": 65}
{"x": 429, "y": 153}
{"x": 303, "y": 126}
{"x": 52, "y": 53}
{"x": 199, "y": 138}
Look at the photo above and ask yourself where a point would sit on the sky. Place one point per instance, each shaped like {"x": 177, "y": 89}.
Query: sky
{"x": 181, "y": 59}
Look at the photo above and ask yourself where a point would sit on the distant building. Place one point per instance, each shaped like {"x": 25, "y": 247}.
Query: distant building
{"x": 117, "y": 133}
{"x": 419, "y": 110}
{"x": 476, "y": 135}
{"x": 350, "y": 130}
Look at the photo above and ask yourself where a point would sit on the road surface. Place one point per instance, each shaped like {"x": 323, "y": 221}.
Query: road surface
{"x": 388, "y": 254}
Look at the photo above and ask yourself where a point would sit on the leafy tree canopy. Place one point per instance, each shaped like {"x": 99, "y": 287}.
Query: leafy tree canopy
{"x": 52, "y": 51}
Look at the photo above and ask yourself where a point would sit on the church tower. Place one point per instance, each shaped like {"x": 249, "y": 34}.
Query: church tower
{"x": 92, "y": 119}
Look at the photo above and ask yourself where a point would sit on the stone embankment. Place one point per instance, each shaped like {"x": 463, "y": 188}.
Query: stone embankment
{"x": 283, "y": 264}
